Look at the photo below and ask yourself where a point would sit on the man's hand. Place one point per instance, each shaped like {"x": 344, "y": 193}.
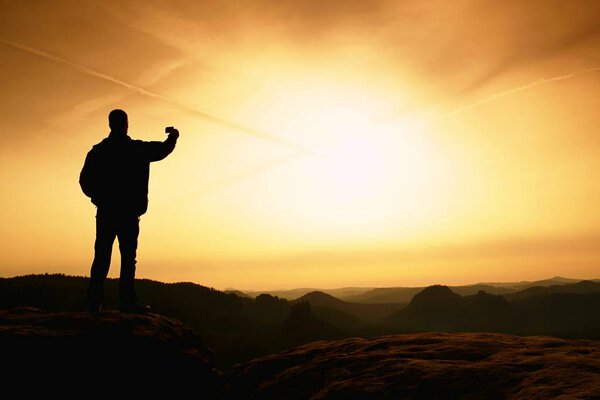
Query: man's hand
{"x": 173, "y": 133}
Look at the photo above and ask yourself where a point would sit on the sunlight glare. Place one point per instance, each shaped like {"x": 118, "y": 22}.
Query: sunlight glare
{"x": 352, "y": 157}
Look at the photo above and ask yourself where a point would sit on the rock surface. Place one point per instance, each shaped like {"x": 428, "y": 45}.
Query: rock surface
{"x": 59, "y": 353}
{"x": 423, "y": 366}
{"x": 125, "y": 352}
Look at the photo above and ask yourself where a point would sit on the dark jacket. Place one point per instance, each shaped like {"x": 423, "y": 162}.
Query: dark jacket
{"x": 116, "y": 171}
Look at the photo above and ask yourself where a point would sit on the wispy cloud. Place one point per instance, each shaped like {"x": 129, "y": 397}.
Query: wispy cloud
{"x": 515, "y": 90}
{"x": 522, "y": 53}
{"x": 144, "y": 92}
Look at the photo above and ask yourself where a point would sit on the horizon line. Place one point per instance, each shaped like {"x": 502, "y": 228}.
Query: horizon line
{"x": 315, "y": 288}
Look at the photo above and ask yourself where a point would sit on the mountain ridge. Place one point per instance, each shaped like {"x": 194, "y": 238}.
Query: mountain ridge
{"x": 402, "y": 294}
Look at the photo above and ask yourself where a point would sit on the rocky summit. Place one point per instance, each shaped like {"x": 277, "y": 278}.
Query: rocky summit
{"x": 423, "y": 366}
{"x": 56, "y": 352}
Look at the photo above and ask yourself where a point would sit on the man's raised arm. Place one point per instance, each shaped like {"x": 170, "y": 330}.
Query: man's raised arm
{"x": 156, "y": 151}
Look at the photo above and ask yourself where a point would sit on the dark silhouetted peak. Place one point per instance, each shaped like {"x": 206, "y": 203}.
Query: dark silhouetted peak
{"x": 422, "y": 366}
{"x": 435, "y": 307}
{"x": 318, "y": 298}
{"x": 266, "y": 298}
{"x": 437, "y": 295}
{"x": 271, "y": 306}
{"x": 114, "y": 350}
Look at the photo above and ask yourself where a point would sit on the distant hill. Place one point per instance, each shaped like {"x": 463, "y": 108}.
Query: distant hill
{"x": 288, "y": 294}
{"x": 437, "y": 308}
{"x": 557, "y": 280}
{"x": 293, "y": 294}
{"x": 365, "y": 312}
{"x": 583, "y": 287}
{"x": 317, "y": 298}
{"x": 405, "y": 294}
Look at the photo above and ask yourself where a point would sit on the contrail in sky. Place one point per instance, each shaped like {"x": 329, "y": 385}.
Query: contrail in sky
{"x": 88, "y": 71}
{"x": 514, "y": 90}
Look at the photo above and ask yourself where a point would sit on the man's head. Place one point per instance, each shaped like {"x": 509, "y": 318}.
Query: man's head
{"x": 117, "y": 120}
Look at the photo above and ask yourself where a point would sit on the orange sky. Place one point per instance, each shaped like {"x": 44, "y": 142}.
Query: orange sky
{"x": 384, "y": 143}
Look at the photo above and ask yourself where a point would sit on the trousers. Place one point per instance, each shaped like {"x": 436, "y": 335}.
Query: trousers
{"x": 125, "y": 227}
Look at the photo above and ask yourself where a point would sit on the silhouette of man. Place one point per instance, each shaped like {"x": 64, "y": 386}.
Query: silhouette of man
{"x": 115, "y": 177}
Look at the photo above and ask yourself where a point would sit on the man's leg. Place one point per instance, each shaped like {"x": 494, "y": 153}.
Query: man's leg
{"x": 105, "y": 237}
{"x": 129, "y": 229}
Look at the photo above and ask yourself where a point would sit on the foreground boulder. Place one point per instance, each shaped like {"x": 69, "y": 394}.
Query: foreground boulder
{"x": 126, "y": 352}
{"x": 423, "y": 366}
